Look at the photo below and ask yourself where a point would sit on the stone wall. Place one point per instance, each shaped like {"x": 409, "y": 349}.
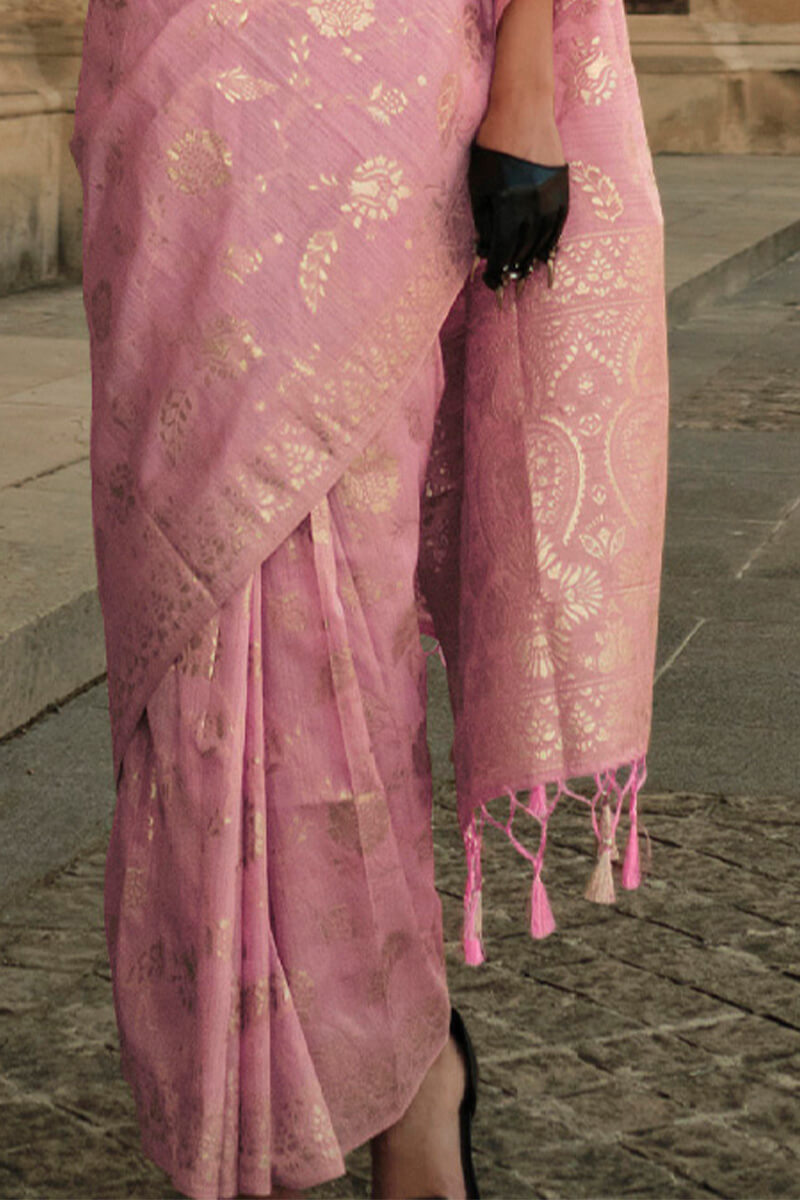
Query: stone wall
{"x": 723, "y": 79}
{"x": 40, "y": 203}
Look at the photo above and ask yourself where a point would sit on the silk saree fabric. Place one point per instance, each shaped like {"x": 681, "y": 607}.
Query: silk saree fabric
{"x": 277, "y": 250}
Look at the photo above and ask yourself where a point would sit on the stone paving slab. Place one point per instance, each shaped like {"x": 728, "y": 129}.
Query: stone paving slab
{"x": 652, "y": 1049}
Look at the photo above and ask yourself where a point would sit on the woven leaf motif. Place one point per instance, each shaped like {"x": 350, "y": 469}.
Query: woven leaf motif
{"x": 601, "y": 190}
{"x": 238, "y": 84}
{"x": 313, "y": 266}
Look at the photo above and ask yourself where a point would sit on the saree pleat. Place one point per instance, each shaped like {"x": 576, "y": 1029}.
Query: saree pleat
{"x": 274, "y": 930}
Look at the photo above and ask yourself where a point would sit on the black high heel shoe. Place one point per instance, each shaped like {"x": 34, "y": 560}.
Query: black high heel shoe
{"x": 467, "y": 1109}
{"x": 466, "y": 1112}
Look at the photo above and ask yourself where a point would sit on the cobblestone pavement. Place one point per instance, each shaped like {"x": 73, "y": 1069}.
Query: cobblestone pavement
{"x": 651, "y": 1049}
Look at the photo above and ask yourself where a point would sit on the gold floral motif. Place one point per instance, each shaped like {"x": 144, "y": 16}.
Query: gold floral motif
{"x": 606, "y": 543}
{"x": 343, "y": 669}
{"x": 372, "y": 481}
{"x": 302, "y": 989}
{"x": 285, "y": 611}
{"x": 341, "y": 18}
{"x": 600, "y": 188}
{"x": 616, "y": 646}
{"x": 228, "y": 12}
{"x": 580, "y": 592}
{"x": 299, "y": 53}
{"x": 200, "y": 655}
{"x": 219, "y": 939}
{"x": 385, "y": 103}
{"x": 173, "y": 417}
{"x": 603, "y": 266}
{"x": 556, "y": 470}
{"x": 359, "y": 823}
{"x": 375, "y": 190}
{"x": 591, "y": 76}
{"x": 314, "y": 265}
{"x": 447, "y": 105}
{"x": 134, "y": 888}
{"x": 237, "y": 84}
{"x": 200, "y": 160}
{"x": 228, "y": 346}
{"x": 212, "y": 730}
{"x": 239, "y": 261}
{"x": 299, "y": 461}
{"x": 254, "y": 1002}
{"x": 337, "y": 924}
{"x": 579, "y": 7}
{"x": 590, "y": 424}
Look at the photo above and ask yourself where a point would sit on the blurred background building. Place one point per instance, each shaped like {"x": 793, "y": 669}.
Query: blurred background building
{"x": 716, "y": 76}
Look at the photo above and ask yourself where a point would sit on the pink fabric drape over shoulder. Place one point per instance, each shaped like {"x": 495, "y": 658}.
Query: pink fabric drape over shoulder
{"x": 277, "y": 247}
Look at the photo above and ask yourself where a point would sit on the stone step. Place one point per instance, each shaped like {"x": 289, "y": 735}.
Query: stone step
{"x": 727, "y": 220}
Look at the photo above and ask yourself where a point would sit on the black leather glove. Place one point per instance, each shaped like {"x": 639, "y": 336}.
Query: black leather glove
{"x": 519, "y": 209}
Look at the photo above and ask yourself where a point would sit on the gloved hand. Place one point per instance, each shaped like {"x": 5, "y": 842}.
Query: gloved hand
{"x": 519, "y": 209}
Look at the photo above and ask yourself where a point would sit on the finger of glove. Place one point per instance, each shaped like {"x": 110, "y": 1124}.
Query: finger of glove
{"x": 526, "y": 240}
{"x": 548, "y": 237}
{"x": 483, "y": 218}
{"x": 561, "y": 220}
{"x": 540, "y": 235}
{"x": 505, "y": 235}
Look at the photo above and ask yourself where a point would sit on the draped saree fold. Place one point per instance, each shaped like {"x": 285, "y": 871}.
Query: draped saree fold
{"x": 313, "y": 437}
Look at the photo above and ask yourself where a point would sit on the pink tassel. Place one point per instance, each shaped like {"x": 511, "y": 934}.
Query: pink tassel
{"x": 473, "y": 931}
{"x": 631, "y": 874}
{"x": 473, "y": 897}
{"x": 542, "y": 920}
{"x": 537, "y": 802}
{"x": 600, "y": 888}
{"x": 631, "y": 871}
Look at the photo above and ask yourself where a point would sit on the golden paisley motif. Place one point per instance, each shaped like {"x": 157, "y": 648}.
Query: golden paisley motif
{"x": 237, "y": 84}
{"x": 556, "y": 471}
{"x": 603, "y": 193}
{"x": 634, "y": 454}
{"x": 317, "y": 257}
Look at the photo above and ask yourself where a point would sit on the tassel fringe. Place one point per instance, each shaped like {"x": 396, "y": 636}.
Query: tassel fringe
{"x": 606, "y": 807}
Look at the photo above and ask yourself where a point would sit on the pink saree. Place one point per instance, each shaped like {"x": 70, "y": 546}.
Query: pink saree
{"x": 314, "y": 437}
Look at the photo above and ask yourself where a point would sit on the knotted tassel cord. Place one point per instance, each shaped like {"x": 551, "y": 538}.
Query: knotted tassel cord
{"x": 600, "y": 888}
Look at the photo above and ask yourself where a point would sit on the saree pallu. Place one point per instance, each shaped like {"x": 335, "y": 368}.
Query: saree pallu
{"x": 314, "y": 437}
